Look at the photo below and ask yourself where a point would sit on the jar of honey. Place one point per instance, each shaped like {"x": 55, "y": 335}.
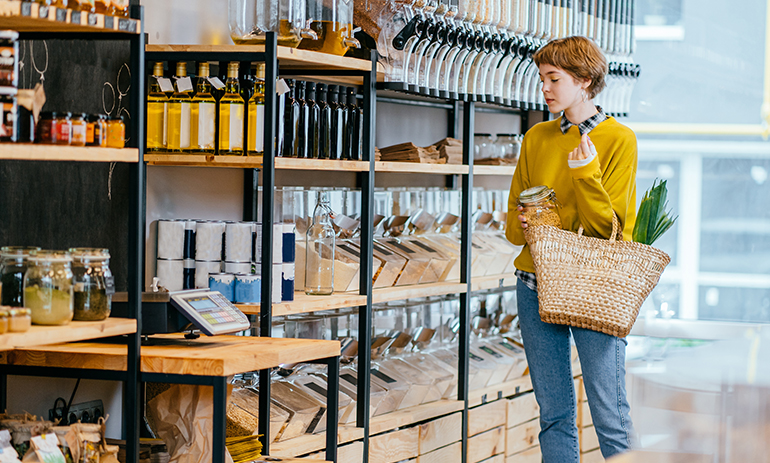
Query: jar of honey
{"x": 116, "y": 132}
{"x": 53, "y": 129}
{"x": 96, "y": 132}
{"x": 103, "y": 6}
{"x": 79, "y": 130}
{"x": 540, "y": 206}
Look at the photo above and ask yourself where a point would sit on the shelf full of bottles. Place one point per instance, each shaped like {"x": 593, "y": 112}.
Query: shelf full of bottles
{"x": 482, "y": 51}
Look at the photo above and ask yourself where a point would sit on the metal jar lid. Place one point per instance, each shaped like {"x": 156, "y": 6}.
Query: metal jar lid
{"x": 535, "y": 194}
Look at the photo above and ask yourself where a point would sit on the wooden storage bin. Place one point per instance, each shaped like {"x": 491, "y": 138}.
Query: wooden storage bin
{"x": 450, "y": 453}
{"x": 522, "y": 409}
{"x": 486, "y": 445}
{"x": 532, "y": 455}
{"x": 485, "y": 417}
{"x": 394, "y": 446}
{"x": 522, "y": 437}
{"x": 440, "y": 433}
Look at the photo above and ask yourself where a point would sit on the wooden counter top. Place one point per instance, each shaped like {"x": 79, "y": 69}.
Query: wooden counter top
{"x": 172, "y": 354}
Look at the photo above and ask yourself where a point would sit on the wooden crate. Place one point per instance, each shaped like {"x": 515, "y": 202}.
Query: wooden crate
{"x": 589, "y": 441}
{"x": 394, "y": 446}
{"x": 522, "y": 437}
{"x": 485, "y": 417}
{"x": 450, "y": 453}
{"x": 522, "y": 409}
{"x": 486, "y": 445}
{"x": 531, "y": 455}
{"x": 348, "y": 453}
{"x": 592, "y": 457}
{"x": 440, "y": 433}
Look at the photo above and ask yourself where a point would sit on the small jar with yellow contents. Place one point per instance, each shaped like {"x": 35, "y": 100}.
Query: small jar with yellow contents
{"x": 116, "y": 132}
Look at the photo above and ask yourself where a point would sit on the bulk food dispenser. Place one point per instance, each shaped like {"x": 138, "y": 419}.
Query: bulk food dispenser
{"x": 250, "y": 20}
{"x": 331, "y": 23}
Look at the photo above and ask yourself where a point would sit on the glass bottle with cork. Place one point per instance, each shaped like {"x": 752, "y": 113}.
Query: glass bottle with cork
{"x": 203, "y": 115}
{"x": 231, "y": 113}
{"x": 300, "y": 140}
{"x": 256, "y": 146}
{"x": 178, "y": 133}
{"x": 313, "y": 120}
{"x": 157, "y": 109}
{"x": 319, "y": 249}
{"x": 290, "y": 121}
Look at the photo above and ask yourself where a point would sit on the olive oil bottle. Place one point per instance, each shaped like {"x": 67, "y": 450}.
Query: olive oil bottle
{"x": 203, "y": 115}
{"x": 257, "y": 115}
{"x": 178, "y": 132}
{"x": 231, "y": 113}
{"x": 157, "y": 107}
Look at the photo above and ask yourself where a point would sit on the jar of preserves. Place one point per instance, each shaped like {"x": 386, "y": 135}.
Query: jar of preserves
{"x": 13, "y": 267}
{"x": 93, "y": 283}
{"x": 79, "y": 130}
{"x": 19, "y": 320}
{"x": 103, "y": 6}
{"x": 120, "y": 8}
{"x": 48, "y": 290}
{"x": 116, "y": 132}
{"x": 94, "y": 133}
{"x": 540, "y": 206}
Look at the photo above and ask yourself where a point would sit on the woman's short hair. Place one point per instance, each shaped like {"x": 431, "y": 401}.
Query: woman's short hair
{"x": 579, "y": 57}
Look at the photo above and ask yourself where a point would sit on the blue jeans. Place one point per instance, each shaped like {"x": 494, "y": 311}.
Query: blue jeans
{"x": 602, "y": 359}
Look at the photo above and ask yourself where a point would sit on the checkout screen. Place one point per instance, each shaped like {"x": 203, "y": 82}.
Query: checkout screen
{"x": 202, "y": 304}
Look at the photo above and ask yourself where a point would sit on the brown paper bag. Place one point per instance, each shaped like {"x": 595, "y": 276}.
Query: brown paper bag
{"x": 184, "y": 417}
{"x": 44, "y": 449}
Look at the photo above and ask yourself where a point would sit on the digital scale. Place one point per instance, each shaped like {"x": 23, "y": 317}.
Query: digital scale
{"x": 179, "y": 311}
{"x": 210, "y": 311}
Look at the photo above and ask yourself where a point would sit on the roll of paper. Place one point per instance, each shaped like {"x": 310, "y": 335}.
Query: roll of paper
{"x": 238, "y": 242}
{"x": 238, "y": 267}
{"x": 170, "y": 273}
{"x": 224, "y": 283}
{"x": 248, "y": 289}
{"x": 171, "y": 239}
{"x": 208, "y": 240}
{"x": 202, "y": 271}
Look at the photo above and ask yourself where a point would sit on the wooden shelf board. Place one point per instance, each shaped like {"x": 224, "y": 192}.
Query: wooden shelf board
{"x": 420, "y": 168}
{"x": 409, "y": 416}
{"x": 75, "y": 331}
{"x": 288, "y": 58}
{"x": 27, "y": 17}
{"x": 33, "y": 152}
{"x": 492, "y": 393}
{"x": 321, "y": 164}
{"x": 492, "y": 282}
{"x": 310, "y": 443}
{"x": 398, "y": 293}
{"x": 303, "y": 303}
{"x": 173, "y": 354}
{"x": 506, "y": 171}
{"x": 203, "y": 160}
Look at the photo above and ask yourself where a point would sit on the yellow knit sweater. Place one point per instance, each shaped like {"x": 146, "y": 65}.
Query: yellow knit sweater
{"x": 587, "y": 194}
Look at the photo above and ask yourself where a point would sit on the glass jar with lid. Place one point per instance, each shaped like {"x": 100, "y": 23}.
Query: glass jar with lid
{"x": 13, "y": 267}
{"x": 116, "y": 132}
{"x": 250, "y": 20}
{"x": 19, "y": 320}
{"x": 103, "y": 6}
{"x": 483, "y": 146}
{"x": 48, "y": 290}
{"x": 331, "y": 22}
{"x": 93, "y": 283}
{"x": 79, "y": 129}
{"x": 510, "y": 146}
{"x": 540, "y": 206}
{"x": 120, "y": 8}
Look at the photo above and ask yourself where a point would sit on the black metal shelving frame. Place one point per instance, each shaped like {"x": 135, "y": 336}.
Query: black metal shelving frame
{"x": 136, "y": 223}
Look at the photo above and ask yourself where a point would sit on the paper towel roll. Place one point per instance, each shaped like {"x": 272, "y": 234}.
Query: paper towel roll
{"x": 170, "y": 273}
{"x": 171, "y": 239}
{"x": 238, "y": 241}
{"x": 208, "y": 240}
{"x": 202, "y": 271}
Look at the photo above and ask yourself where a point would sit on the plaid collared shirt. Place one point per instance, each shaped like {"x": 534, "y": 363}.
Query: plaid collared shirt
{"x": 584, "y": 127}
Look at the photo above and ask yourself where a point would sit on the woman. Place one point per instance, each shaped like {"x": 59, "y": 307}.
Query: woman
{"x": 589, "y": 159}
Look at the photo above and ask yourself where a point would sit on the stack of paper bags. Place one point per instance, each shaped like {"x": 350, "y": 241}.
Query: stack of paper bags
{"x": 409, "y": 152}
{"x": 450, "y": 149}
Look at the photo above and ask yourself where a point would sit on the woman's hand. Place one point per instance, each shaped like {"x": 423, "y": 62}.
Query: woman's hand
{"x": 584, "y": 149}
{"x": 522, "y": 219}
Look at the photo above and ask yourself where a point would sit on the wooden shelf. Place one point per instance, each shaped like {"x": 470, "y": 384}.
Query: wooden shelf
{"x": 173, "y": 354}
{"x": 309, "y": 443}
{"x": 321, "y": 164}
{"x": 288, "y": 58}
{"x": 34, "y": 152}
{"x": 75, "y": 331}
{"x": 203, "y": 160}
{"x": 420, "y": 168}
{"x": 303, "y": 303}
{"x": 506, "y": 171}
{"x": 32, "y": 17}
{"x": 409, "y": 416}
{"x": 492, "y": 393}
{"x": 276, "y": 459}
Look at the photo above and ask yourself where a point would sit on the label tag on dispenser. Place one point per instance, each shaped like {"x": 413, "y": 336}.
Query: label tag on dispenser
{"x": 165, "y": 84}
{"x": 184, "y": 84}
{"x": 281, "y": 87}
{"x": 217, "y": 83}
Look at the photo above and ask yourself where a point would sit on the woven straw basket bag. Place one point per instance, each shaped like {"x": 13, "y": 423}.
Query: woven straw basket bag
{"x": 592, "y": 283}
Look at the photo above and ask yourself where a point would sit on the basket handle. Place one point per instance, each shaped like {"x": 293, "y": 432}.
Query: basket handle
{"x": 616, "y": 231}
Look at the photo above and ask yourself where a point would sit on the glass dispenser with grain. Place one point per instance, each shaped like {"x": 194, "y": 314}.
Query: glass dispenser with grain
{"x": 231, "y": 113}
{"x": 250, "y": 20}
{"x": 331, "y": 21}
